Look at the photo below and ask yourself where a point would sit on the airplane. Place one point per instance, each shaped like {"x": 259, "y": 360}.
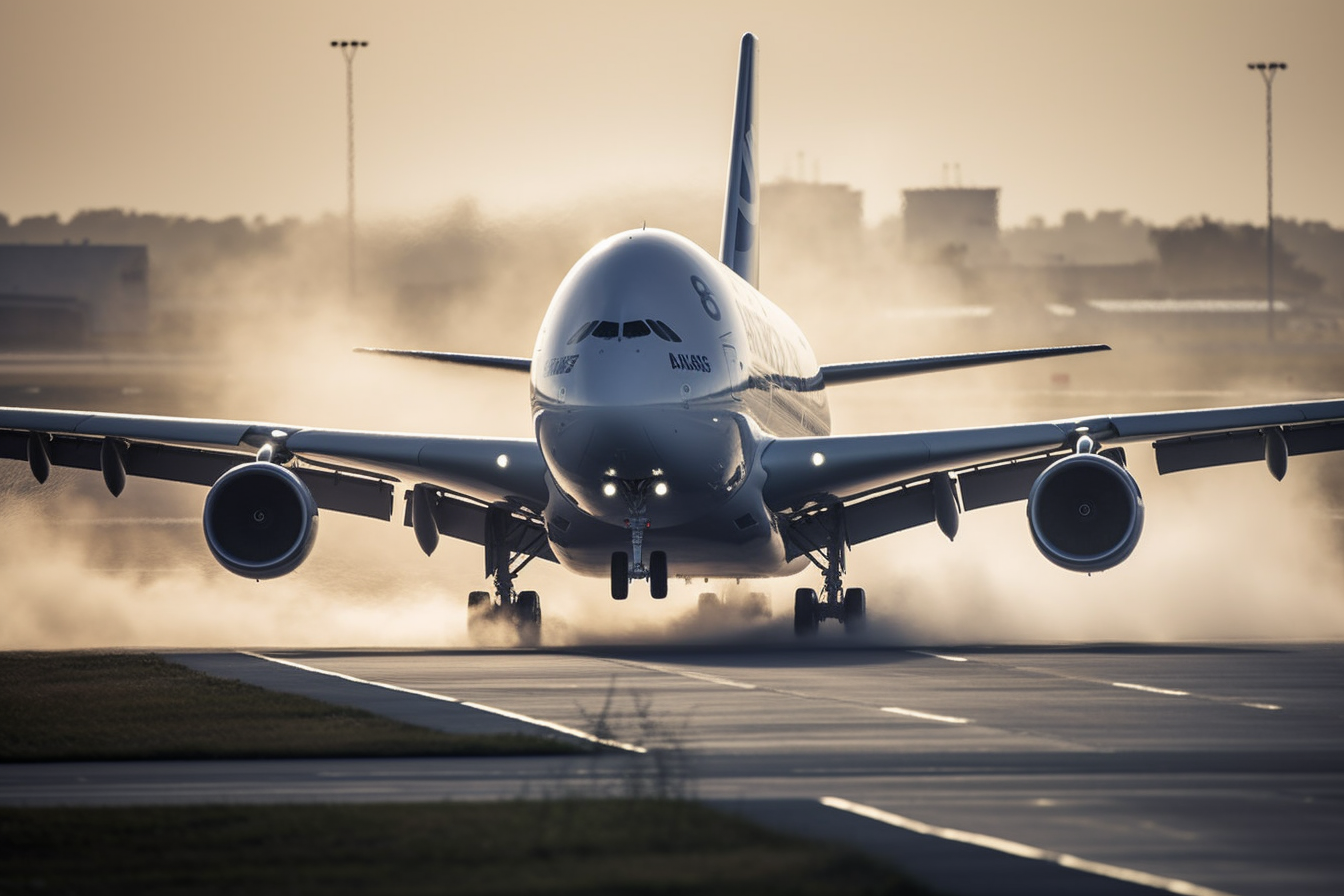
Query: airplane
{"x": 682, "y": 429}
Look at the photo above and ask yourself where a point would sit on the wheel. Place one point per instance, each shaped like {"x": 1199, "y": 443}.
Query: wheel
{"x": 709, "y": 602}
{"x": 658, "y": 575}
{"x": 805, "y": 612}
{"x": 479, "y": 611}
{"x": 527, "y": 616}
{"x": 854, "y": 611}
{"x": 620, "y": 576}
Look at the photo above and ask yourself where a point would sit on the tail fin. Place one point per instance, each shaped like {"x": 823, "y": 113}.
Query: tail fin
{"x": 740, "y": 249}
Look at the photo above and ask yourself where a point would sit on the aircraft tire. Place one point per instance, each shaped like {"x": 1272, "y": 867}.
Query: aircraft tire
{"x": 620, "y": 576}
{"x": 805, "y": 619}
{"x": 854, "y": 611}
{"x": 658, "y": 575}
{"x": 527, "y": 612}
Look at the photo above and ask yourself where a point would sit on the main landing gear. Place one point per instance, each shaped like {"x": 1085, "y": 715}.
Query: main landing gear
{"x": 510, "y": 544}
{"x": 822, "y": 541}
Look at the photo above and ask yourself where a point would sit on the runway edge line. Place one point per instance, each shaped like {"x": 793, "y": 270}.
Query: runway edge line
{"x": 1022, "y": 850}
{"x": 494, "y": 710}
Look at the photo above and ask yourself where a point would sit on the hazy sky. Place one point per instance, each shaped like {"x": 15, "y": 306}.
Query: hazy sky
{"x": 238, "y": 106}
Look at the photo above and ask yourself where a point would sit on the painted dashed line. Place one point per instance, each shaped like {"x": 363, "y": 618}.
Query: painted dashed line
{"x": 685, "y": 673}
{"x": 927, "y": 716}
{"x": 1012, "y": 848}
{"x": 494, "y": 710}
{"x": 942, "y": 656}
{"x": 1273, "y": 707}
{"x": 1168, "y": 692}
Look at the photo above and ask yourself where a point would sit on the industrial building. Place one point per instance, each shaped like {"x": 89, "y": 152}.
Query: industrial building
{"x": 68, "y": 294}
{"x": 952, "y": 224}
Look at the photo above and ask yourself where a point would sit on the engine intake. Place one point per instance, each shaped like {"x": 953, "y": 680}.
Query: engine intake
{"x": 1085, "y": 513}
{"x": 260, "y": 520}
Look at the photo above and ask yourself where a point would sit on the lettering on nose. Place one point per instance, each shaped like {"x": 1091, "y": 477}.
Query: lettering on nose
{"x": 698, "y": 363}
{"x": 563, "y": 364}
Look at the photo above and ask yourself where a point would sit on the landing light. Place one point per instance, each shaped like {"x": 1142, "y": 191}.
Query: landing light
{"x": 609, "y": 489}
{"x": 660, "y": 488}
{"x": 818, "y": 459}
{"x": 502, "y": 461}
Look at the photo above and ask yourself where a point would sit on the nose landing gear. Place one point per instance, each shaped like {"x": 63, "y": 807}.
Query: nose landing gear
{"x": 628, "y": 567}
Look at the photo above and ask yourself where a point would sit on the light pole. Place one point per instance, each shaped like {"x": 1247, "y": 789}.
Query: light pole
{"x": 1267, "y": 72}
{"x": 348, "y": 49}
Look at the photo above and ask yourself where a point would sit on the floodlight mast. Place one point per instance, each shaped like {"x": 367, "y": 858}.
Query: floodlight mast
{"x": 348, "y": 49}
{"x": 1267, "y": 72}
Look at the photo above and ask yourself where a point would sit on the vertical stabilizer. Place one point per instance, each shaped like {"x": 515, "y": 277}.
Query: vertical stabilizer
{"x": 740, "y": 249}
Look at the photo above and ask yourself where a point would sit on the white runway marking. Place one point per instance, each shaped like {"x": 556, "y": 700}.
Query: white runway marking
{"x": 1143, "y": 878}
{"x": 1149, "y": 689}
{"x": 927, "y": 716}
{"x": 1269, "y": 706}
{"x": 942, "y": 656}
{"x": 686, "y": 673}
{"x": 553, "y": 726}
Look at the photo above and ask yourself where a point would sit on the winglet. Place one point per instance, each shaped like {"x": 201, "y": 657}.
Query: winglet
{"x": 740, "y": 247}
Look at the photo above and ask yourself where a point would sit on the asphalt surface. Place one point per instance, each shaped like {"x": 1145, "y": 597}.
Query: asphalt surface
{"x": 1196, "y": 769}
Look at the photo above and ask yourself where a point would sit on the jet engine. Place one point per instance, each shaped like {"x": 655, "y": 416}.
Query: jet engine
{"x": 260, "y": 520}
{"x": 1085, "y": 513}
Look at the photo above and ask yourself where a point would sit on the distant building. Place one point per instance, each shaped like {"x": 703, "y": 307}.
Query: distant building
{"x": 824, "y": 220}
{"x": 62, "y": 294}
{"x": 952, "y": 224}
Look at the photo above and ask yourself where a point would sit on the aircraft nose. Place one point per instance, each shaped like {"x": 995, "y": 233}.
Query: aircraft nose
{"x": 699, "y": 461}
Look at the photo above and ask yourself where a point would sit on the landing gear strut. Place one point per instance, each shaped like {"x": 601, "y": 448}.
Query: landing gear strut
{"x": 510, "y": 544}
{"x": 626, "y": 567}
{"x": 821, "y": 538}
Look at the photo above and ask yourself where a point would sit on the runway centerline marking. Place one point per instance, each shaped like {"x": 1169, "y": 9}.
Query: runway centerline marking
{"x": 942, "y": 656}
{"x": 1022, "y": 850}
{"x": 685, "y": 673}
{"x": 927, "y": 716}
{"x": 1168, "y": 692}
{"x": 495, "y": 710}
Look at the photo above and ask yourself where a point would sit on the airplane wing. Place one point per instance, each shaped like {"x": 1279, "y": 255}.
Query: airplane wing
{"x": 497, "y": 362}
{"x": 889, "y": 482}
{"x": 348, "y": 471}
{"x": 863, "y": 371}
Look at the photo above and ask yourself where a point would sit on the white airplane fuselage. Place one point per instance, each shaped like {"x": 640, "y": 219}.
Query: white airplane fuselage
{"x": 657, "y": 377}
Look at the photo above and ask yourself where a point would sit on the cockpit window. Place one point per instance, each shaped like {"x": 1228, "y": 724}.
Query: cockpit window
{"x": 631, "y": 329}
{"x": 666, "y": 333}
{"x": 582, "y": 332}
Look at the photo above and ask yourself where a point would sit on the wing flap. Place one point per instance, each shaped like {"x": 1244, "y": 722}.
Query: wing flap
{"x": 1242, "y": 446}
{"x": 337, "y": 491}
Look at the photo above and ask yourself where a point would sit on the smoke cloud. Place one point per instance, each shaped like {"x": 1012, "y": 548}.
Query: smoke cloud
{"x": 1227, "y": 554}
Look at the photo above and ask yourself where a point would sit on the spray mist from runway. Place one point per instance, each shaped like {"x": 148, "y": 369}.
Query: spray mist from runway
{"x": 1227, "y": 554}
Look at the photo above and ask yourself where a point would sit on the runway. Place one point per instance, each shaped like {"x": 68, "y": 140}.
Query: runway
{"x": 1220, "y": 767}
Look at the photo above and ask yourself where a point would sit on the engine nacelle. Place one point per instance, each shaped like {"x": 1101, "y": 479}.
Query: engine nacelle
{"x": 1085, "y": 513}
{"x": 260, "y": 520}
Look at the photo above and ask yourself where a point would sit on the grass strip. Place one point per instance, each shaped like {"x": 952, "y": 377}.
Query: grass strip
{"x": 82, "y": 705}
{"x": 547, "y": 847}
